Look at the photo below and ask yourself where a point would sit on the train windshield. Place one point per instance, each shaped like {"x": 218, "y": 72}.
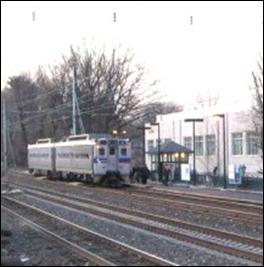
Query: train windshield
{"x": 112, "y": 143}
{"x": 101, "y": 151}
{"x": 123, "y": 151}
{"x": 112, "y": 151}
{"x": 123, "y": 142}
{"x": 103, "y": 142}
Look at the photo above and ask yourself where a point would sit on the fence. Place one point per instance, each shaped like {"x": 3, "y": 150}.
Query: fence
{"x": 247, "y": 182}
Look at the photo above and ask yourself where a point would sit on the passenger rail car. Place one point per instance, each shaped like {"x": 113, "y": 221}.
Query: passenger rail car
{"x": 103, "y": 160}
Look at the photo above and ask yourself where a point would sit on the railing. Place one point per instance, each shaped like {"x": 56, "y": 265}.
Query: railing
{"x": 210, "y": 180}
{"x": 247, "y": 182}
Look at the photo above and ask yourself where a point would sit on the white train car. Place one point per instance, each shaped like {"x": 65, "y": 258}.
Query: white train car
{"x": 124, "y": 158}
{"x": 41, "y": 157}
{"x": 74, "y": 157}
{"x": 105, "y": 160}
{"x": 112, "y": 156}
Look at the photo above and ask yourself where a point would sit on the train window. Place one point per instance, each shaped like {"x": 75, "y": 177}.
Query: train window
{"x": 112, "y": 142}
{"x": 112, "y": 151}
{"x": 101, "y": 151}
{"x": 122, "y": 142}
{"x": 103, "y": 142}
{"x": 123, "y": 151}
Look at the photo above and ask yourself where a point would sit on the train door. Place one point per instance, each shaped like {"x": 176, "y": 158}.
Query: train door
{"x": 124, "y": 157}
{"x": 112, "y": 155}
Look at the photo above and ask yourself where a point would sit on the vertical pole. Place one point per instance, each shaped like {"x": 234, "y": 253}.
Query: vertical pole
{"x": 4, "y": 129}
{"x": 144, "y": 146}
{"x": 194, "y": 168}
{"x": 11, "y": 149}
{"x": 224, "y": 152}
{"x": 73, "y": 103}
{"x": 159, "y": 163}
{"x": 79, "y": 114}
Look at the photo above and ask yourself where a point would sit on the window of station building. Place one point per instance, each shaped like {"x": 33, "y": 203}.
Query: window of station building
{"x": 252, "y": 143}
{"x": 237, "y": 143}
{"x": 198, "y": 145}
{"x": 167, "y": 140}
{"x": 101, "y": 151}
{"x": 210, "y": 144}
{"x": 123, "y": 151}
{"x": 188, "y": 142}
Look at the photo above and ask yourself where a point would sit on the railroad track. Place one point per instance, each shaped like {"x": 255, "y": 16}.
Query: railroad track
{"x": 169, "y": 199}
{"x": 83, "y": 253}
{"x": 232, "y": 203}
{"x": 224, "y": 211}
{"x": 62, "y": 230}
{"x": 226, "y": 242}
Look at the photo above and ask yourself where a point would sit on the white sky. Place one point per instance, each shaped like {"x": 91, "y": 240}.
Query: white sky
{"x": 214, "y": 55}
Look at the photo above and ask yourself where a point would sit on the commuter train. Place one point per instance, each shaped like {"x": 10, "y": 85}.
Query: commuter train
{"x": 104, "y": 160}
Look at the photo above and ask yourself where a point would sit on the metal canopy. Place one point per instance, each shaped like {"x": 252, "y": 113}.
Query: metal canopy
{"x": 170, "y": 147}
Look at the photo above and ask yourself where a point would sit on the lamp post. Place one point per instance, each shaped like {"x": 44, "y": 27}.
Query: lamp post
{"x": 143, "y": 128}
{"x": 194, "y": 168}
{"x": 159, "y": 163}
{"x": 224, "y": 148}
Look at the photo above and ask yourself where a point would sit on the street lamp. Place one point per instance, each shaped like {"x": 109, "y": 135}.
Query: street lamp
{"x": 224, "y": 147}
{"x": 193, "y": 121}
{"x": 144, "y": 149}
{"x": 159, "y": 163}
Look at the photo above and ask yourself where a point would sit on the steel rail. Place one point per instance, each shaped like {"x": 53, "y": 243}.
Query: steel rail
{"x": 64, "y": 242}
{"x": 82, "y": 202}
{"x": 145, "y": 255}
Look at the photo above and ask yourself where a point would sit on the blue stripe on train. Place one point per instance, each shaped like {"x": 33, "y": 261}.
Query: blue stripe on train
{"x": 125, "y": 160}
{"x": 100, "y": 160}
{"x": 104, "y": 160}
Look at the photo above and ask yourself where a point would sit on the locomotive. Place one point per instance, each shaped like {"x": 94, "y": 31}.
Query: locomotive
{"x": 105, "y": 160}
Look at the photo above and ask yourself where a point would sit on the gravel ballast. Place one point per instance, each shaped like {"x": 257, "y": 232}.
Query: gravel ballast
{"x": 173, "y": 250}
{"x": 24, "y": 246}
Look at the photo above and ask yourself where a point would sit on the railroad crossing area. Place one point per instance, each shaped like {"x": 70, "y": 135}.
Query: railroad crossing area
{"x": 60, "y": 223}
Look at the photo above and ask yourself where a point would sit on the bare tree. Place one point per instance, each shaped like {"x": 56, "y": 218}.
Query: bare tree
{"x": 20, "y": 89}
{"x": 109, "y": 88}
{"x": 257, "y": 105}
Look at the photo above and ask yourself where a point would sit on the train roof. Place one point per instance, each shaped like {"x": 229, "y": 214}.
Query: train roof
{"x": 75, "y": 143}
{"x": 44, "y": 145}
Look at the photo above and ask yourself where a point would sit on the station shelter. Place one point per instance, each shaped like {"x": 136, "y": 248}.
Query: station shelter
{"x": 173, "y": 155}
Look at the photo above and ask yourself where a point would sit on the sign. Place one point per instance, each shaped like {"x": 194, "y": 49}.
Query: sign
{"x": 235, "y": 173}
{"x": 185, "y": 172}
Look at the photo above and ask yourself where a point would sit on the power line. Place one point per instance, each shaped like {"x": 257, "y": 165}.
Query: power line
{"x": 68, "y": 104}
{"x": 89, "y": 111}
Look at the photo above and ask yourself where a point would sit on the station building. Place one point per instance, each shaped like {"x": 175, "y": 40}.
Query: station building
{"x": 240, "y": 139}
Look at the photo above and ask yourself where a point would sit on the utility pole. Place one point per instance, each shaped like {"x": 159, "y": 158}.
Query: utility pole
{"x": 143, "y": 144}
{"x": 79, "y": 115}
{"x": 76, "y": 106}
{"x": 74, "y": 102}
{"x": 11, "y": 147}
{"x": 4, "y": 133}
{"x": 224, "y": 149}
{"x": 194, "y": 167}
{"x": 159, "y": 161}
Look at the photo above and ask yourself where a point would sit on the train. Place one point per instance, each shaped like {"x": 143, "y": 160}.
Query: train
{"x": 103, "y": 160}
